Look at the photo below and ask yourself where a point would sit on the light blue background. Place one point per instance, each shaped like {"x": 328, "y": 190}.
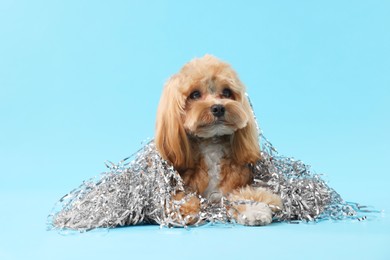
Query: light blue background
{"x": 80, "y": 83}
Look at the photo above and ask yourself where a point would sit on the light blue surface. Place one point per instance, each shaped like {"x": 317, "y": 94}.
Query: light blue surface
{"x": 80, "y": 82}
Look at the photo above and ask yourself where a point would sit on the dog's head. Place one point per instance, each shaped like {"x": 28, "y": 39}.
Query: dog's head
{"x": 205, "y": 99}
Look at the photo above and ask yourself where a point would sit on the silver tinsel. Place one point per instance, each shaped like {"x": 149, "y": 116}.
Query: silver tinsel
{"x": 140, "y": 188}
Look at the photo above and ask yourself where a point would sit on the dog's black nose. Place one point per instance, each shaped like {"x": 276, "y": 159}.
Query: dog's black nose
{"x": 218, "y": 110}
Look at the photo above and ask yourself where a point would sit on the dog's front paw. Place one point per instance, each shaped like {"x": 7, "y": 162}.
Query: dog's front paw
{"x": 185, "y": 209}
{"x": 256, "y": 214}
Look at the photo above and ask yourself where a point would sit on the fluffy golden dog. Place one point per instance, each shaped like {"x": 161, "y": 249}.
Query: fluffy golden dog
{"x": 206, "y": 129}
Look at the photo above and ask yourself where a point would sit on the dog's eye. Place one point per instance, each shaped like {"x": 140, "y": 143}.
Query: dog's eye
{"x": 195, "y": 95}
{"x": 227, "y": 93}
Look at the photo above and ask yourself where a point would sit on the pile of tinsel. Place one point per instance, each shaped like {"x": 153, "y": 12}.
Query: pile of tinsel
{"x": 139, "y": 190}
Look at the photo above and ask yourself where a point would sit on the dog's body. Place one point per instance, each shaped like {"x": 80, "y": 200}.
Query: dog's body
{"x": 215, "y": 173}
{"x": 206, "y": 129}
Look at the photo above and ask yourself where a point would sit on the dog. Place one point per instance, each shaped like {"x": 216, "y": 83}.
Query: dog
{"x": 206, "y": 129}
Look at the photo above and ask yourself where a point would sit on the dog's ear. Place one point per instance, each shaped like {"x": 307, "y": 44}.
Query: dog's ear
{"x": 245, "y": 142}
{"x": 171, "y": 138}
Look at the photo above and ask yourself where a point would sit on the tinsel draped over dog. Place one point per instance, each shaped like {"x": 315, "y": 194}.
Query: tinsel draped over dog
{"x": 140, "y": 189}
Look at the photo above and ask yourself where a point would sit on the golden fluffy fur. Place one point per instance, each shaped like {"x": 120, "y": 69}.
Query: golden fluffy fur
{"x": 205, "y": 127}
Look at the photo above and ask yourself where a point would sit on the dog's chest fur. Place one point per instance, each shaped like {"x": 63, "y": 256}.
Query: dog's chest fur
{"x": 212, "y": 155}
